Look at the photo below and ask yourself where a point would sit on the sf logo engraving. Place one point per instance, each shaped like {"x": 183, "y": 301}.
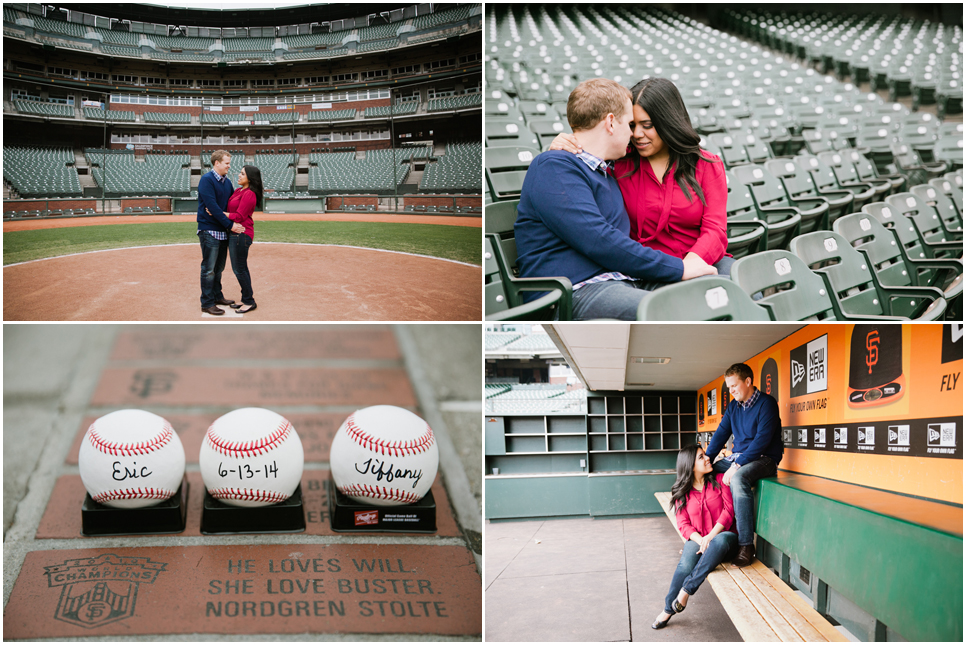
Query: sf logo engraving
{"x": 872, "y": 349}
{"x": 148, "y": 382}
{"x": 101, "y": 590}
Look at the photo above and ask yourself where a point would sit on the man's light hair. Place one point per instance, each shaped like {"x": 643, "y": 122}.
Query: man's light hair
{"x": 592, "y": 100}
{"x": 742, "y": 371}
{"x": 218, "y": 155}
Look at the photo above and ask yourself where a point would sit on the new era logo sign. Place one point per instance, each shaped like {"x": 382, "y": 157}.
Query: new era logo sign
{"x": 809, "y": 367}
{"x": 364, "y": 518}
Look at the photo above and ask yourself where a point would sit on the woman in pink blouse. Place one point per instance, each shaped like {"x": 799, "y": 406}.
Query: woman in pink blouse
{"x": 675, "y": 193}
{"x": 241, "y": 205}
{"x": 706, "y": 517}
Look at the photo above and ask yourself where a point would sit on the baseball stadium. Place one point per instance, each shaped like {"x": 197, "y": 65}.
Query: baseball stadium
{"x": 363, "y": 120}
{"x": 840, "y": 132}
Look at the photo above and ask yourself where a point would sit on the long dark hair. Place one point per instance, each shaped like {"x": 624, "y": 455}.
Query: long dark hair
{"x": 684, "y": 482}
{"x": 255, "y": 185}
{"x": 663, "y": 103}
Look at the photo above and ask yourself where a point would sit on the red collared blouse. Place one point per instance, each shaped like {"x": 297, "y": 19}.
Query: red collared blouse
{"x": 663, "y": 219}
{"x": 241, "y": 204}
{"x": 705, "y": 508}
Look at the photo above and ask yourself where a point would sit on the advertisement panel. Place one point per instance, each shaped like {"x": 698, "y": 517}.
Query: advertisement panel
{"x": 875, "y": 404}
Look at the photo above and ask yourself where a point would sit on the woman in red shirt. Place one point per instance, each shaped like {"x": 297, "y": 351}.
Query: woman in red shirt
{"x": 241, "y": 205}
{"x": 706, "y": 517}
{"x": 675, "y": 193}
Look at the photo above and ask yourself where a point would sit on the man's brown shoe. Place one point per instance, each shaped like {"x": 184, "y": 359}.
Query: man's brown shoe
{"x": 214, "y": 311}
{"x": 746, "y": 553}
{"x": 224, "y": 301}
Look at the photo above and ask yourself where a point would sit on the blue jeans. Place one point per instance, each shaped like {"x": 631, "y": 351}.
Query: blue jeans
{"x": 213, "y": 255}
{"x": 693, "y": 568}
{"x": 724, "y": 266}
{"x": 238, "y": 245}
{"x": 742, "y": 492}
{"x": 611, "y": 299}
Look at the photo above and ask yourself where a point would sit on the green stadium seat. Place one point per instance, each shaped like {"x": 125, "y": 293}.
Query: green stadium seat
{"x": 505, "y": 169}
{"x": 852, "y": 282}
{"x": 784, "y": 285}
{"x": 707, "y": 298}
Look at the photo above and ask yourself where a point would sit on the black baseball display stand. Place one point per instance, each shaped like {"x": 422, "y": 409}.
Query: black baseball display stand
{"x": 282, "y": 517}
{"x": 349, "y": 516}
{"x": 166, "y": 517}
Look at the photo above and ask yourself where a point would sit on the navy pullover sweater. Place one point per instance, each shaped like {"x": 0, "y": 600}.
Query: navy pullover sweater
{"x": 757, "y": 431}
{"x": 571, "y": 222}
{"x": 213, "y": 195}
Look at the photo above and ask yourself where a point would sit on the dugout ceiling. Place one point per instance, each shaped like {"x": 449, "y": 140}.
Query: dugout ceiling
{"x": 603, "y": 355}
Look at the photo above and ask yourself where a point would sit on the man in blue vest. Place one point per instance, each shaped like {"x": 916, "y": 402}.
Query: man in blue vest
{"x": 214, "y": 189}
{"x": 752, "y": 418}
{"x": 571, "y": 220}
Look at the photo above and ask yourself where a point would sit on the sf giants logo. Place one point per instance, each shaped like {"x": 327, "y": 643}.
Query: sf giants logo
{"x": 101, "y": 590}
{"x": 364, "y": 518}
{"x": 872, "y": 349}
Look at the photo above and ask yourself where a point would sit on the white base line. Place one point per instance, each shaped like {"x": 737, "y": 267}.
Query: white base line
{"x": 156, "y": 246}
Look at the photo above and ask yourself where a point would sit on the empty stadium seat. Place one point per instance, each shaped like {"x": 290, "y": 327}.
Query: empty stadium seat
{"x": 707, "y": 298}
{"x": 851, "y": 280}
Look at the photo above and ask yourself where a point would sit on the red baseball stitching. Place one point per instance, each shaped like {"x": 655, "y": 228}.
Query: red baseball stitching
{"x": 379, "y": 492}
{"x": 248, "y": 448}
{"x": 130, "y": 449}
{"x": 132, "y": 493}
{"x": 248, "y": 495}
{"x": 383, "y": 447}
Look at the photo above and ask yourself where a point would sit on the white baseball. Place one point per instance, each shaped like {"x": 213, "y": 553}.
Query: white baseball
{"x": 251, "y": 457}
{"x": 384, "y": 456}
{"x": 131, "y": 459}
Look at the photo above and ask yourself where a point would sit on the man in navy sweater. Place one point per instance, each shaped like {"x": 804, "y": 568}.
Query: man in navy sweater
{"x": 752, "y": 418}
{"x": 214, "y": 189}
{"x": 571, "y": 219}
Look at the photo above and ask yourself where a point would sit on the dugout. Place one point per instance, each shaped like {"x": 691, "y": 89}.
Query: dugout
{"x": 865, "y": 516}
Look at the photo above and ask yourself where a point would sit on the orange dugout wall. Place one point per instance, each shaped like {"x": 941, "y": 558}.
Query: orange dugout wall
{"x": 874, "y": 405}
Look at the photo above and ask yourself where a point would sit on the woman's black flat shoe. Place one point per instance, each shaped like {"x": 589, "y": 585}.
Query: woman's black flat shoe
{"x": 661, "y": 624}
{"x": 237, "y": 305}
{"x": 252, "y": 308}
{"x": 678, "y": 607}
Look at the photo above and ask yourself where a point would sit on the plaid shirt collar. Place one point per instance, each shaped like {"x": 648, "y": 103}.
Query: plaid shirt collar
{"x": 220, "y": 178}
{"x": 595, "y": 163}
{"x": 751, "y": 400}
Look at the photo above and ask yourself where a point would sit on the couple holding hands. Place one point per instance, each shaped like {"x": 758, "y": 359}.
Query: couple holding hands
{"x": 225, "y": 227}
{"x": 626, "y": 204}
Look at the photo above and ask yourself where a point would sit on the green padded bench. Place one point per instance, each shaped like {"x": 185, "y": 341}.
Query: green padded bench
{"x": 880, "y": 563}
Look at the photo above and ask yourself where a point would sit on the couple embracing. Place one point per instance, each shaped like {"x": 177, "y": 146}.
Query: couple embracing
{"x": 226, "y": 227}
{"x": 625, "y": 205}
{"x": 713, "y": 500}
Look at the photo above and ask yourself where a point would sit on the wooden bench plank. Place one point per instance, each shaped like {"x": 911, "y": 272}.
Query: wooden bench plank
{"x": 766, "y": 586}
{"x": 815, "y": 619}
{"x": 774, "y": 619}
{"x": 741, "y": 611}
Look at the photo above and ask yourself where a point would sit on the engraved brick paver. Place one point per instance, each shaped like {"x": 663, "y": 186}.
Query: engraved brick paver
{"x": 139, "y": 387}
{"x": 264, "y": 589}
{"x": 375, "y": 342}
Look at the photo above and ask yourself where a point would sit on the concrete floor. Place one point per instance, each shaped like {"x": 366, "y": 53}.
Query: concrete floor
{"x": 590, "y": 580}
